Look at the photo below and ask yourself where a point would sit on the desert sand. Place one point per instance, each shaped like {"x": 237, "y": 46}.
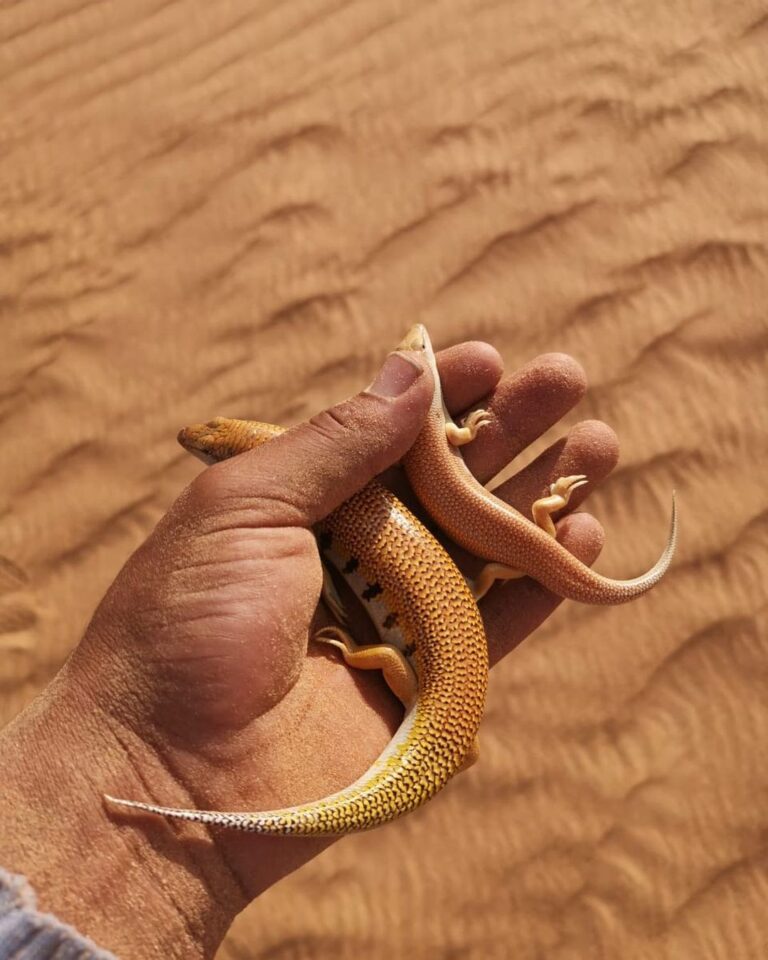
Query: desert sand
{"x": 237, "y": 208}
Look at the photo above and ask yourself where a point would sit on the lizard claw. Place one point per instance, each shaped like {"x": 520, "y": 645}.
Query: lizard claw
{"x": 473, "y": 421}
{"x": 564, "y": 486}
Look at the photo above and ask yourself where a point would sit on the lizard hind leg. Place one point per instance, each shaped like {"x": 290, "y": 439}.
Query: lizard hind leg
{"x": 470, "y": 425}
{"x": 490, "y": 573}
{"x": 398, "y": 673}
{"x": 559, "y": 494}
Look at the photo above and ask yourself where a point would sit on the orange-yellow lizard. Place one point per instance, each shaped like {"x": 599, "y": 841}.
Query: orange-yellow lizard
{"x": 492, "y": 529}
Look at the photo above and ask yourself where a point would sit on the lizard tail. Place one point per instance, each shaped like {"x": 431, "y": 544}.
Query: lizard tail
{"x": 404, "y": 776}
{"x": 581, "y": 583}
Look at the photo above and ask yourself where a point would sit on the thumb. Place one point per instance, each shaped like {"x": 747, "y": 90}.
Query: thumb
{"x": 304, "y": 474}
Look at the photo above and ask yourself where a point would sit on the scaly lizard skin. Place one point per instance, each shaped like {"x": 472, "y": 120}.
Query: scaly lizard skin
{"x": 441, "y": 674}
{"x": 492, "y": 529}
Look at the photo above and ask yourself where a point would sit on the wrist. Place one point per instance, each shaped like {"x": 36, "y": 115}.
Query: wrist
{"x": 91, "y": 871}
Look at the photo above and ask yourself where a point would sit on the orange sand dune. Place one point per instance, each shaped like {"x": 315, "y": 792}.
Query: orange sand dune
{"x": 236, "y": 209}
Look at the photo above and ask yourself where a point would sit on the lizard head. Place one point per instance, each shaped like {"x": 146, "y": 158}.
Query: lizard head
{"x": 221, "y": 438}
{"x": 417, "y": 338}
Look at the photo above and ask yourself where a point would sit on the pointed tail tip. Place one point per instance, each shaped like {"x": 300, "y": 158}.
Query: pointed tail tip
{"x": 673, "y": 524}
{"x": 120, "y": 803}
{"x": 663, "y": 563}
{"x": 639, "y": 585}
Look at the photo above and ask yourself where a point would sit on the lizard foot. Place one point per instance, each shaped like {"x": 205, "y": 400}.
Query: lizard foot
{"x": 559, "y": 494}
{"x": 458, "y": 436}
{"x": 398, "y": 673}
{"x": 490, "y": 573}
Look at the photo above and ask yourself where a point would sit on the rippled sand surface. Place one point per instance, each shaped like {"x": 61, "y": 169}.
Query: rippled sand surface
{"x": 236, "y": 208}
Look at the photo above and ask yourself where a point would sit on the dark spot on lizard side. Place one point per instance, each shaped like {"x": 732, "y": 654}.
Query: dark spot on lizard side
{"x": 372, "y": 590}
{"x": 351, "y": 565}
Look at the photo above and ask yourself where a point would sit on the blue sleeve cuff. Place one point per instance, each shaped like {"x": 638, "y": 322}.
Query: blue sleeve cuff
{"x": 26, "y": 934}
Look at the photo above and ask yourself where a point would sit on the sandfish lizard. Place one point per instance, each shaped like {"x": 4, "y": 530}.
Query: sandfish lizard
{"x": 492, "y": 529}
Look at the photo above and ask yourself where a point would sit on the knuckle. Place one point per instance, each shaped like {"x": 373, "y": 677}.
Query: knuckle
{"x": 338, "y": 422}
{"x": 352, "y": 424}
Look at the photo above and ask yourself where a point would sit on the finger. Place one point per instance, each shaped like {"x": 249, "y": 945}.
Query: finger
{"x": 514, "y": 609}
{"x": 304, "y": 474}
{"x": 524, "y": 405}
{"x": 590, "y": 448}
{"x": 468, "y": 372}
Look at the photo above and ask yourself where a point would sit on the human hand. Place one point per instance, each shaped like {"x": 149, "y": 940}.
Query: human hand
{"x": 195, "y": 660}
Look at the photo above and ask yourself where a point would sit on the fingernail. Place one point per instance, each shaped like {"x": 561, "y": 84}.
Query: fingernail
{"x": 398, "y": 374}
